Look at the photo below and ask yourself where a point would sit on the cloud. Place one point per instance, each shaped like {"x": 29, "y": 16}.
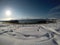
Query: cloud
{"x": 55, "y": 12}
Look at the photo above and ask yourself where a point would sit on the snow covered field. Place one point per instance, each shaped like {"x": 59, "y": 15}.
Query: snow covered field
{"x": 30, "y": 34}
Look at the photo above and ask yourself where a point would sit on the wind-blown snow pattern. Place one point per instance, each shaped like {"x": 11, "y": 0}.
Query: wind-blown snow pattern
{"x": 30, "y": 34}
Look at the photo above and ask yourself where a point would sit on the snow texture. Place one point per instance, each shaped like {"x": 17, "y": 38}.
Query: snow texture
{"x": 30, "y": 34}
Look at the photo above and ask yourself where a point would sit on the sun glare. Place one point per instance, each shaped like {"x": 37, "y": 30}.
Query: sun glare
{"x": 7, "y": 19}
{"x": 8, "y": 12}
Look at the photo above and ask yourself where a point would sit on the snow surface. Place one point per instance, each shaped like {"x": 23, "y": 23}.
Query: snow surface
{"x": 30, "y": 34}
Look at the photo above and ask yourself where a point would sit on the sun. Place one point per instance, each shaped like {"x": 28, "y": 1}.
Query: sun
{"x": 8, "y": 12}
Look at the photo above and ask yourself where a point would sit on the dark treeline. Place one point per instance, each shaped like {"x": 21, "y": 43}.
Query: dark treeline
{"x": 32, "y": 21}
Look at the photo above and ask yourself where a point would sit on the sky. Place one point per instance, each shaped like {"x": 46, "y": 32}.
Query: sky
{"x": 21, "y": 9}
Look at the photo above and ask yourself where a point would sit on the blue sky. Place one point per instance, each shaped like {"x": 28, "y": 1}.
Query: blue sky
{"x": 27, "y": 8}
